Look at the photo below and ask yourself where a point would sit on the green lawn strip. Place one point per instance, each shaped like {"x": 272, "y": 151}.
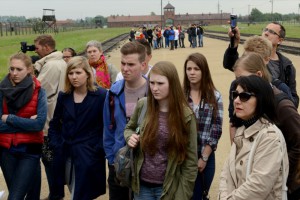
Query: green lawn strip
{"x": 75, "y": 39}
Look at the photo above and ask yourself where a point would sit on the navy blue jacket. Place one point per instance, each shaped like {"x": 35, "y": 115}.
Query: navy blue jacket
{"x": 80, "y": 137}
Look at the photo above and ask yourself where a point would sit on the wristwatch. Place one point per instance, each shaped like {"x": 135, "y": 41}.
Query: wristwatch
{"x": 204, "y": 158}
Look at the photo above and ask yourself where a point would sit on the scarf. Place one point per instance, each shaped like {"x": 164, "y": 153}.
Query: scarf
{"x": 17, "y": 96}
{"x": 249, "y": 122}
{"x": 102, "y": 74}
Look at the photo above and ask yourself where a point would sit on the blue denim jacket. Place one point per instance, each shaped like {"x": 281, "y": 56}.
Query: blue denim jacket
{"x": 16, "y": 124}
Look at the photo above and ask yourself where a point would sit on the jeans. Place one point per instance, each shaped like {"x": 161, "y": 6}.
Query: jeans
{"x": 155, "y": 44}
{"x": 200, "y": 40}
{"x": 34, "y": 192}
{"x": 181, "y": 42}
{"x": 147, "y": 193}
{"x": 167, "y": 41}
{"x": 116, "y": 192}
{"x": 206, "y": 177}
{"x": 71, "y": 186}
{"x": 176, "y": 43}
{"x": 172, "y": 44}
{"x": 19, "y": 169}
{"x": 194, "y": 41}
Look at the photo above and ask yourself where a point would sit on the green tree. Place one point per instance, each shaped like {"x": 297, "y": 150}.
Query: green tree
{"x": 256, "y": 15}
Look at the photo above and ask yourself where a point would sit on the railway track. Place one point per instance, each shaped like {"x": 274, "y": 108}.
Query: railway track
{"x": 109, "y": 44}
{"x": 290, "y": 45}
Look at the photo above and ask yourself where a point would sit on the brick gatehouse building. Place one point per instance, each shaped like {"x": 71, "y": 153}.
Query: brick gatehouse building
{"x": 169, "y": 18}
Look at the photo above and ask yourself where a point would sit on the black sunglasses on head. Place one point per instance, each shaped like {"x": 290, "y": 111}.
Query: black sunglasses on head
{"x": 244, "y": 96}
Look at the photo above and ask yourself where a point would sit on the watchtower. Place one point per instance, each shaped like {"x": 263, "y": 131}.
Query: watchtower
{"x": 49, "y": 20}
{"x": 169, "y": 14}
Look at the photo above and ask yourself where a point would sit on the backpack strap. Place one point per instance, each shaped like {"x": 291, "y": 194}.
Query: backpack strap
{"x": 137, "y": 131}
{"x": 112, "y": 110}
{"x": 142, "y": 113}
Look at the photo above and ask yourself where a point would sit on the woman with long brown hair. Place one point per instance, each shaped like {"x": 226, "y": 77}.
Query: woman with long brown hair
{"x": 207, "y": 105}
{"x": 166, "y": 149}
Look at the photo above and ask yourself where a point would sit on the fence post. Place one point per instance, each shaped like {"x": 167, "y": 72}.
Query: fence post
{"x": 22, "y": 27}
{"x": 10, "y": 28}
{"x": 1, "y": 30}
{"x": 6, "y": 29}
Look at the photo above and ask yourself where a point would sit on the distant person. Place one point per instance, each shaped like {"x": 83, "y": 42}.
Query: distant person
{"x": 145, "y": 33}
{"x": 150, "y": 36}
{"x": 104, "y": 73}
{"x": 139, "y": 34}
{"x": 193, "y": 32}
{"x": 189, "y": 32}
{"x": 207, "y": 105}
{"x": 176, "y": 37}
{"x": 166, "y": 36}
{"x": 148, "y": 67}
{"x": 166, "y": 160}
{"x": 172, "y": 38}
{"x": 76, "y": 134}
{"x": 50, "y": 71}
{"x": 131, "y": 34}
{"x": 281, "y": 68}
{"x": 155, "y": 38}
{"x": 23, "y": 113}
{"x": 119, "y": 105}
{"x": 200, "y": 32}
{"x": 257, "y": 166}
{"x": 181, "y": 38}
{"x": 68, "y": 53}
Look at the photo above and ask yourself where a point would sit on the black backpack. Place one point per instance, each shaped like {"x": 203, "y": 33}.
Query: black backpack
{"x": 124, "y": 159}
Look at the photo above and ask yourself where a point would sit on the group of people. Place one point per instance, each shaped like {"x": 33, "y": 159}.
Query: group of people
{"x": 170, "y": 37}
{"x": 75, "y": 113}
{"x": 264, "y": 122}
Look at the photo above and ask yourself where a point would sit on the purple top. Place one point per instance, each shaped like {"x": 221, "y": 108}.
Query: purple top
{"x": 154, "y": 167}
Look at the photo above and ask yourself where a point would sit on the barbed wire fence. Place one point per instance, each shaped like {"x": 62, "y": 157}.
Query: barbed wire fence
{"x": 26, "y": 28}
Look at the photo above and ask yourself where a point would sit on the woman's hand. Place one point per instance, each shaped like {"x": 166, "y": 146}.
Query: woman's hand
{"x": 133, "y": 140}
{"x": 3, "y": 118}
{"x": 201, "y": 165}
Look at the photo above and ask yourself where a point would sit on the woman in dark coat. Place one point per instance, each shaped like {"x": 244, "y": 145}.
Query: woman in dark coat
{"x": 76, "y": 134}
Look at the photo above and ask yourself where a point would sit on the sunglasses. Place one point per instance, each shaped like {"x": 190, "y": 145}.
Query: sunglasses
{"x": 271, "y": 31}
{"x": 244, "y": 96}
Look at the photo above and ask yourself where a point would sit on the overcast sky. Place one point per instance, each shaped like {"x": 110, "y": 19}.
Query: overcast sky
{"x": 77, "y": 9}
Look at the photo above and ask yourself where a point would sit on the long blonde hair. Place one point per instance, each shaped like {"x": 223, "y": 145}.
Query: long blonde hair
{"x": 253, "y": 62}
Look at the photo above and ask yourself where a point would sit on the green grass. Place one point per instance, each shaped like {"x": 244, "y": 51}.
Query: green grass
{"x": 292, "y": 30}
{"x": 75, "y": 39}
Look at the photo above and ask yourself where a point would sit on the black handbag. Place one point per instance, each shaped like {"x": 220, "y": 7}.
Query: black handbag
{"x": 47, "y": 152}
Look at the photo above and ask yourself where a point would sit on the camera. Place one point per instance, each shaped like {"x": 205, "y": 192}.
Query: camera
{"x": 25, "y": 47}
{"x": 233, "y": 21}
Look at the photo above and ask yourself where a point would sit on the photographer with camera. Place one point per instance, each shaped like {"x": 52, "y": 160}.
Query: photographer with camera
{"x": 281, "y": 68}
{"x": 50, "y": 71}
